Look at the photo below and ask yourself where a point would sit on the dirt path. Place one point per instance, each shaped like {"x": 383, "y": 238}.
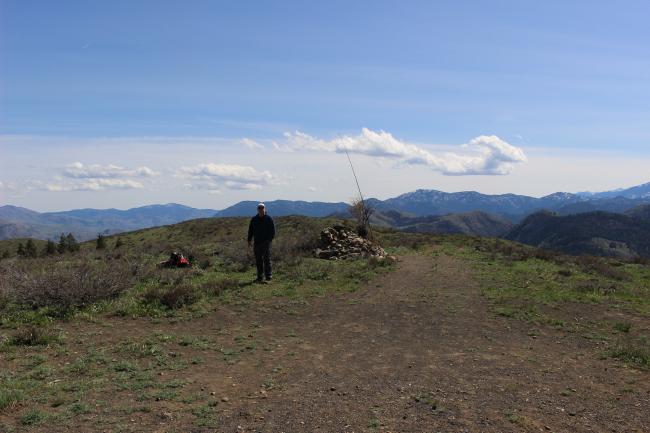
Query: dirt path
{"x": 418, "y": 351}
{"x": 415, "y": 350}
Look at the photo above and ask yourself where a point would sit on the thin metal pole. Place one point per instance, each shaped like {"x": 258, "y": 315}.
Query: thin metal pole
{"x": 363, "y": 202}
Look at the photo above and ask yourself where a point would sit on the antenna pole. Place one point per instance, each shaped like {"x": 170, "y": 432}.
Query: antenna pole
{"x": 363, "y": 203}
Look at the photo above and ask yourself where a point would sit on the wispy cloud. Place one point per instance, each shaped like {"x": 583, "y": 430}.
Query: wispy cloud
{"x": 251, "y": 144}
{"x": 78, "y": 170}
{"x": 13, "y": 188}
{"x": 211, "y": 176}
{"x": 483, "y": 155}
{"x": 98, "y": 184}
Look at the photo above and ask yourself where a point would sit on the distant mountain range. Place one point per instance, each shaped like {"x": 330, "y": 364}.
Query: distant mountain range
{"x": 422, "y": 210}
{"x": 285, "y": 207}
{"x": 17, "y": 222}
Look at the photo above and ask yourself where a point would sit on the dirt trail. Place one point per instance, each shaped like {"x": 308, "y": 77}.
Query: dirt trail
{"x": 415, "y": 350}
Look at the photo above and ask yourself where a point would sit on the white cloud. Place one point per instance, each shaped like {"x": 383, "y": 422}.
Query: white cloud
{"x": 77, "y": 170}
{"x": 485, "y": 155}
{"x": 96, "y": 177}
{"x": 213, "y": 176}
{"x": 251, "y": 144}
{"x": 98, "y": 184}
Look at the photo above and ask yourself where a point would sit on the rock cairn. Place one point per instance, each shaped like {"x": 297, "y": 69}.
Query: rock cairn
{"x": 338, "y": 242}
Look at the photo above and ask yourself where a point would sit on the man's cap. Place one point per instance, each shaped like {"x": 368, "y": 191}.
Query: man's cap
{"x": 259, "y": 205}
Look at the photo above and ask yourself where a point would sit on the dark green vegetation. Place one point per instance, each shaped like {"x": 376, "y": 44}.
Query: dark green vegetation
{"x": 469, "y": 223}
{"x": 9, "y": 248}
{"x": 596, "y": 233}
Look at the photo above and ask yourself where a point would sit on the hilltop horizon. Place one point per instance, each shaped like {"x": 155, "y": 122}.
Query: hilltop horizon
{"x": 586, "y": 194}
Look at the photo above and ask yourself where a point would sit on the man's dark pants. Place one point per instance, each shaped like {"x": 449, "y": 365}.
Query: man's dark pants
{"x": 262, "y": 252}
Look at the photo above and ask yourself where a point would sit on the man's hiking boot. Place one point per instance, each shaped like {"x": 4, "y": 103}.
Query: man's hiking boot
{"x": 268, "y": 278}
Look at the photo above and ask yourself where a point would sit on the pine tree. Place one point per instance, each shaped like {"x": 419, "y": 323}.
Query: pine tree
{"x": 21, "y": 250}
{"x": 62, "y": 246}
{"x": 50, "y": 248}
{"x": 5, "y": 255}
{"x": 118, "y": 243}
{"x": 71, "y": 243}
{"x": 30, "y": 249}
{"x": 101, "y": 242}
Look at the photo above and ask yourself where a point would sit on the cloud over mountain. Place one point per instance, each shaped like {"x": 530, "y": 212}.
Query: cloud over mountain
{"x": 78, "y": 170}
{"x": 483, "y": 155}
{"x": 97, "y": 177}
{"x": 94, "y": 185}
{"x": 213, "y": 176}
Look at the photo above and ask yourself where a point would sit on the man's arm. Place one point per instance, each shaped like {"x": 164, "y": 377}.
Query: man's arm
{"x": 272, "y": 229}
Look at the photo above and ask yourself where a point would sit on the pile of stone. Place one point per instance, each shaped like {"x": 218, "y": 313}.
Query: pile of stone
{"x": 338, "y": 242}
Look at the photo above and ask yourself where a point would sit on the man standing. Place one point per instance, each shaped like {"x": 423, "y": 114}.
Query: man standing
{"x": 262, "y": 230}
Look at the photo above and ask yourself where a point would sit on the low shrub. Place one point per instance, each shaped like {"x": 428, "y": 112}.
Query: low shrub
{"x": 236, "y": 256}
{"x": 205, "y": 263}
{"x": 31, "y": 336}
{"x": 216, "y": 288}
{"x": 291, "y": 250}
{"x": 596, "y": 286}
{"x": 49, "y": 282}
{"x": 623, "y": 326}
{"x": 602, "y": 267}
{"x": 172, "y": 298}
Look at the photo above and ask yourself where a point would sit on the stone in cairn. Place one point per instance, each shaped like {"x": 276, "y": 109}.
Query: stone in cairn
{"x": 338, "y": 242}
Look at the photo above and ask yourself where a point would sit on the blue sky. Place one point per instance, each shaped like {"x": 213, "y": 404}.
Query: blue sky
{"x": 129, "y": 84}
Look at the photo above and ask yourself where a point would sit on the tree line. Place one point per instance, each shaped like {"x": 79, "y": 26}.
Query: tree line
{"x": 67, "y": 244}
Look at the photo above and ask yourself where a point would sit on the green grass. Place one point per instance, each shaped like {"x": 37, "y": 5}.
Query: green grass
{"x": 9, "y": 397}
{"x": 633, "y": 351}
{"x": 537, "y": 286}
{"x": 513, "y": 275}
{"x": 33, "y": 417}
{"x": 223, "y": 274}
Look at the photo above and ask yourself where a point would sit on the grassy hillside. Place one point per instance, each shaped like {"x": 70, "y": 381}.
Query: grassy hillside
{"x": 103, "y": 340}
{"x": 124, "y": 279}
{"x": 596, "y": 233}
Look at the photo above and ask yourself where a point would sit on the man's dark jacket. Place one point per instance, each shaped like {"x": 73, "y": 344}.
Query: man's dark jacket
{"x": 262, "y": 229}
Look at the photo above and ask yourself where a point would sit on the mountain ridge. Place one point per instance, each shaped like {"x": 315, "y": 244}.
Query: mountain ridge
{"x": 87, "y": 223}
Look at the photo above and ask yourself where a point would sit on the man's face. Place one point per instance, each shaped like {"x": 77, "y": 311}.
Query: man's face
{"x": 261, "y": 211}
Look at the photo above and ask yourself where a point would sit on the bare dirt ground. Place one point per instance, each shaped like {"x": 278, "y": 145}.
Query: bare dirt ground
{"x": 415, "y": 350}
